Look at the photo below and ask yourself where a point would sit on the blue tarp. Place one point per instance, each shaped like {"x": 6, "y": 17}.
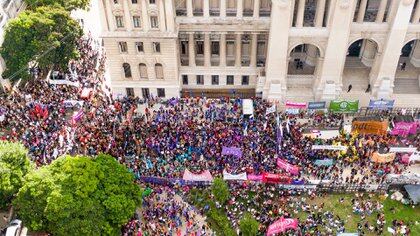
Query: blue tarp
{"x": 414, "y": 192}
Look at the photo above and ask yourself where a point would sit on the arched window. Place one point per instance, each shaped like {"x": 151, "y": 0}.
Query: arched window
{"x": 127, "y": 70}
{"x": 159, "y": 71}
{"x": 143, "y": 71}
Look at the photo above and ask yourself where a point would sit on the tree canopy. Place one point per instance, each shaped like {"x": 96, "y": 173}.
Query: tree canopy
{"x": 66, "y": 4}
{"x": 220, "y": 190}
{"x": 81, "y": 195}
{"x": 14, "y": 164}
{"x": 47, "y": 36}
{"x": 248, "y": 225}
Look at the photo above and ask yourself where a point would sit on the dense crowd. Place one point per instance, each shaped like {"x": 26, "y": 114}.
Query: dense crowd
{"x": 163, "y": 138}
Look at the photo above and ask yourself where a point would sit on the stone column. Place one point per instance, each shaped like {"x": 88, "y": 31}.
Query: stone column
{"x": 191, "y": 49}
{"x": 277, "y": 53}
{"x": 328, "y": 84}
{"x": 170, "y": 16}
{"x": 190, "y": 8}
{"x": 300, "y": 12}
{"x": 362, "y": 10}
{"x": 311, "y": 55}
{"x": 319, "y": 15}
{"x": 368, "y": 52}
{"x": 256, "y": 12}
{"x": 239, "y": 8}
{"x": 383, "y": 72}
{"x": 381, "y": 11}
{"x": 127, "y": 17}
{"x": 110, "y": 16}
{"x": 415, "y": 55}
{"x": 207, "y": 53}
{"x": 222, "y": 45}
{"x": 206, "y": 8}
{"x": 162, "y": 23}
{"x": 103, "y": 14}
{"x": 145, "y": 16}
{"x": 416, "y": 16}
{"x": 254, "y": 44}
{"x": 238, "y": 45}
{"x": 223, "y": 8}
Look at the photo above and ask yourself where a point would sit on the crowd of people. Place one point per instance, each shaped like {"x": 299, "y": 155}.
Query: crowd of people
{"x": 160, "y": 138}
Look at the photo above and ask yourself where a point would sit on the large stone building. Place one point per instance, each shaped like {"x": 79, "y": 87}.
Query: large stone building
{"x": 277, "y": 49}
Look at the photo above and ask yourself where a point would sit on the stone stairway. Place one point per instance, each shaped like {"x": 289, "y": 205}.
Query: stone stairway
{"x": 406, "y": 100}
{"x": 357, "y": 77}
{"x": 406, "y": 86}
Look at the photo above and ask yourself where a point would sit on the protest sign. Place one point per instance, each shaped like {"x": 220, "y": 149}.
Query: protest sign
{"x": 234, "y": 151}
{"x": 325, "y": 162}
{"x": 228, "y": 176}
{"x": 271, "y": 109}
{"x": 382, "y": 158}
{"x": 329, "y": 147}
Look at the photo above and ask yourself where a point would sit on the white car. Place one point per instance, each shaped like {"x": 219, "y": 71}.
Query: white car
{"x": 15, "y": 228}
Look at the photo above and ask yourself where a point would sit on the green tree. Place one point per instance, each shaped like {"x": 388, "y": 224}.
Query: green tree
{"x": 78, "y": 196}
{"x": 14, "y": 164}
{"x": 47, "y": 36}
{"x": 220, "y": 190}
{"x": 67, "y": 4}
{"x": 248, "y": 225}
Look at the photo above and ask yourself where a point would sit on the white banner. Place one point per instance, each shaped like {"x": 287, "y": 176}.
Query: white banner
{"x": 247, "y": 107}
{"x": 270, "y": 109}
{"x": 402, "y": 149}
{"x": 227, "y": 176}
{"x": 64, "y": 82}
{"x": 415, "y": 157}
{"x": 329, "y": 147}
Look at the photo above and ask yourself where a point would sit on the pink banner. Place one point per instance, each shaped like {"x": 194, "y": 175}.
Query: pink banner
{"x": 404, "y": 128}
{"x": 255, "y": 177}
{"x": 282, "y": 225}
{"x": 288, "y": 167}
{"x": 204, "y": 176}
{"x": 298, "y": 105}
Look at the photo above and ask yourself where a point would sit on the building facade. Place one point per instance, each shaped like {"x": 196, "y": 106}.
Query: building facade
{"x": 300, "y": 50}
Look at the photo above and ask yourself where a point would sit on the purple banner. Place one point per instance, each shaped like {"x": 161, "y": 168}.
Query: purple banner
{"x": 404, "y": 128}
{"x": 234, "y": 151}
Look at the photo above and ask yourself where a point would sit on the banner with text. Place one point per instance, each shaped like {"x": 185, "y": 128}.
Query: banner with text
{"x": 344, "y": 106}
{"x": 234, "y": 151}
{"x": 287, "y": 167}
{"x": 228, "y": 176}
{"x": 282, "y": 225}
{"x": 381, "y": 104}
{"x": 204, "y": 176}
{"x": 404, "y": 128}
{"x": 329, "y": 147}
{"x": 370, "y": 127}
{"x": 382, "y": 158}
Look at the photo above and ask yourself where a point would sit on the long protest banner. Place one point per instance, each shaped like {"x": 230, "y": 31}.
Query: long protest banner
{"x": 382, "y": 158}
{"x": 403, "y": 149}
{"x": 228, "y": 176}
{"x": 296, "y": 105}
{"x": 294, "y": 170}
{"x": 324, "y": 162}
{"x": 276, "y": 178}
{"x": 329, "y": 147}
{"x": 370, "y": 127}
{"x": 344, "y": 106}
{"x": 281, "y": 225}
{"x": 234, "y": 151}
{"x": 381, "y": 104}
{"x": 254, "y": 177}
{"x": 204, "y": 176}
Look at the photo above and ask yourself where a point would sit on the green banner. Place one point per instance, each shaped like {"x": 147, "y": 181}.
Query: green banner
{"x": 344, "y": 106}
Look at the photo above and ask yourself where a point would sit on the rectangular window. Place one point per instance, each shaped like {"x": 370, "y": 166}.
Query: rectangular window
{"x": 134, "y": 1}
{"x": 185, "y": 79}
{"x": 145, "y": 93}
{"x": 123, "y": 47}
{"x": 115, "y": 1}
{"x": 230, "y": 48}
{"x": 200, "y": 47}
{"x": 245, "y": 80}
{"x": 136, "y": 21}
{"x": 215, "y": 48}
{"x": 230, "y": 80}
{"x": 129, "y": 92}
{"x": 119, "y": 21}
{"x": 152, "y": 1}
{"x": 184, "y": 47}
{"x": 156, "y": 46}
{"x": 154, "y": 22}
{"x": 161, "y": 92}
{"x": 215, "y": 80}
{"x": 200, "y": 79}
{"x": 139, "y": 47}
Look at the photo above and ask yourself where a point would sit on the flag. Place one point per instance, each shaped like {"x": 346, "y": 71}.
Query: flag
{"x": 288, "y": 126}
{"x": 77, "y": 116}
{"x": 246, "y": 129}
